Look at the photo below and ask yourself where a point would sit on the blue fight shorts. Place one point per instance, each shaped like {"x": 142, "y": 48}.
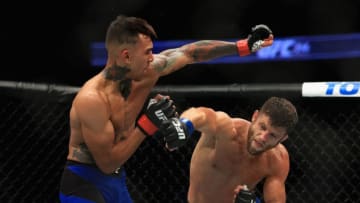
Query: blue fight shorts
{"x": 84, "y": 183}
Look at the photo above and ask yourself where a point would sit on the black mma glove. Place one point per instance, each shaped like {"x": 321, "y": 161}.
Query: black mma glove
{"x": 245, "y": 196}
{"x": 155, "y": 113}
{"x": 176, "y": 131}
{"x": 260, "y": 37}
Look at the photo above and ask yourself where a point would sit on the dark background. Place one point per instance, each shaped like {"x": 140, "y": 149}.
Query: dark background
{"x": 49, "y": 41}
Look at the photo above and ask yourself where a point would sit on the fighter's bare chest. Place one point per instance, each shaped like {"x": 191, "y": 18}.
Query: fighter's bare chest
{"x": 249, "y": 172}
{"x": 239, "y": 167}
{"x": 123, "y": 112}
{"x": 121, "y": 116}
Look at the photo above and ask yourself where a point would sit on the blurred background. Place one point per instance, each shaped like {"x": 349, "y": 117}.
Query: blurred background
{"x": 51, "y": 41}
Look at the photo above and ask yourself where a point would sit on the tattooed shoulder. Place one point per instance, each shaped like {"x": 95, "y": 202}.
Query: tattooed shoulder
{"x": 159, "y": 63}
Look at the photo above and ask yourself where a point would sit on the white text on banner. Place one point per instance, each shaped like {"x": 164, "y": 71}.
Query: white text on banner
{"x": 331, "y": 89}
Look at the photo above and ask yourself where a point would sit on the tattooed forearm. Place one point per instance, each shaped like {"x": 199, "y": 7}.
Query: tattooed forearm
{"x": 173, "y": 59}
{"x": 209, "y": 49}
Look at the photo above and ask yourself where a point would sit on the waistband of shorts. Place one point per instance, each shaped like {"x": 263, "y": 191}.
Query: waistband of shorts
{"x": 117, "y": 172}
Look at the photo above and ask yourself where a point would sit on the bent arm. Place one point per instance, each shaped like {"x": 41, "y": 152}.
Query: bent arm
{"x": 171, "y": 60}
{"x": 274, "y": 185}
{"x": 274, "y": 190}
{"x": 99, "y": 135}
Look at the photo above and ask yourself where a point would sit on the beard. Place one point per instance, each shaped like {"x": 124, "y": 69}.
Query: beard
{"x": 250, "y": 138}
{"x": 250, "y": 149}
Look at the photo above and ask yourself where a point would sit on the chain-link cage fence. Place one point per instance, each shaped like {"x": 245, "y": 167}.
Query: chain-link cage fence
{"x": 324, "y": 149}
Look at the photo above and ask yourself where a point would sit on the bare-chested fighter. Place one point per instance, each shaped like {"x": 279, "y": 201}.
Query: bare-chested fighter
{"x": 234, "y": 152}
{"x": 105, "y": 131}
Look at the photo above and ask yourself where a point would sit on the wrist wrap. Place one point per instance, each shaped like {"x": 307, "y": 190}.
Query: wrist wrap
{"x": 189, "y": 125}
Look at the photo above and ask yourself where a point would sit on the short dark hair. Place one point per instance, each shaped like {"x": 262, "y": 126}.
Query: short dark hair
{"x": 126, "y": 29}
{"x": 282, "y": 112}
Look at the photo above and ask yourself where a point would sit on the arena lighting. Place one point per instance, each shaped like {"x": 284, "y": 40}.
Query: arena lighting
{"x": 283, "y": 49}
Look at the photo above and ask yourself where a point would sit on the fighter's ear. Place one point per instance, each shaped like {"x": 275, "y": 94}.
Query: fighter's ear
{"x": 124, "y": 54}
{"x": 255, "y": 115}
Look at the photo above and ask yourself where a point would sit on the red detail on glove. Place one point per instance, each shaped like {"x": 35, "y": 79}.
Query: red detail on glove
{"x": 146, "y": 125}
{"x": 243, "y": 47}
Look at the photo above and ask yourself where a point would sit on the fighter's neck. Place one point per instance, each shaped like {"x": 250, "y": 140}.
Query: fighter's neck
{"x": 115, "y": 73}
{"x": 118, "y": 74}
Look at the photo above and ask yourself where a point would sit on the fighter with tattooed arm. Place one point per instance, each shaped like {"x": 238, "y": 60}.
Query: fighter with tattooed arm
{"x": 105, "y": 125}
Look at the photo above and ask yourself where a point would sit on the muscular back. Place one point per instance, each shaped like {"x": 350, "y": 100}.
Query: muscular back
{"x": 220, "y": 160}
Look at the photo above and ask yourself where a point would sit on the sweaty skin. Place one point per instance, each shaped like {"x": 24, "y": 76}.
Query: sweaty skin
{"x": 222, "y": 161}
{"x": 103, "y": 113}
